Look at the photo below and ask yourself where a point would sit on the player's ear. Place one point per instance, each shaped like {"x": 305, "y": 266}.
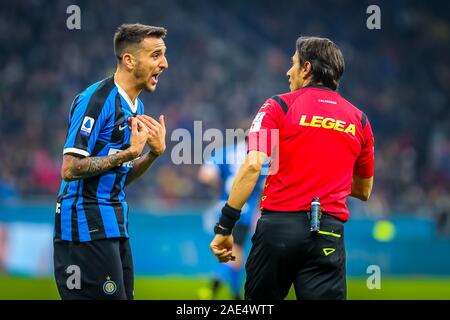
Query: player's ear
{"x": 128, "y": 60}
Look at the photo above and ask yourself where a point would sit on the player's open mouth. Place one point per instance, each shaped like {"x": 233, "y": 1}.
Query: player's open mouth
{"x": 155, "y": 78}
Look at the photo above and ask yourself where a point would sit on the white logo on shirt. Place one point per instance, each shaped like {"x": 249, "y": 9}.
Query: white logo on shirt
{"x": 87, "y": 125}
{"x": 256, "y": 124}
{"x": 327, "y": 101}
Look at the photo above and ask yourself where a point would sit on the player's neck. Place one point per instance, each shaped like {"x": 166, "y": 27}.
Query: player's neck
{"x": 125, "y": 81}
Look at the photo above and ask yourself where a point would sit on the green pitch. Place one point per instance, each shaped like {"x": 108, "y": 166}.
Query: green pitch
{"x": 179, "y": 288}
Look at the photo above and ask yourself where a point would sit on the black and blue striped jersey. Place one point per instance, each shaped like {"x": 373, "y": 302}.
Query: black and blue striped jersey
{"x": 95, "y": 208}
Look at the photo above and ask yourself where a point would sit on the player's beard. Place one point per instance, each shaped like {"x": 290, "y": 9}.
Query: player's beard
{"x": 141, "y": 79}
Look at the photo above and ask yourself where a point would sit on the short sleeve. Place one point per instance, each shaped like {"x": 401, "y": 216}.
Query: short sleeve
{"x": 86, "y": 120}
{"x": 364, "y": 165}
{"x": 265, "y": 128}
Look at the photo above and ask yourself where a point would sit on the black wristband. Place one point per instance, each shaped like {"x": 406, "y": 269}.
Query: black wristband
{"x": 229, "y": 216}
{"x": 218, "y": 229}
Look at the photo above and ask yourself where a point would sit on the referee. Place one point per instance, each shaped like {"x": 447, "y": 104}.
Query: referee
{"x": 322, "y": 150}
{"x": 102, "y": 154}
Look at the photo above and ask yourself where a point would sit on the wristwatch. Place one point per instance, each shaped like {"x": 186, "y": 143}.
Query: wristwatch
{"x": 218, "y": 229}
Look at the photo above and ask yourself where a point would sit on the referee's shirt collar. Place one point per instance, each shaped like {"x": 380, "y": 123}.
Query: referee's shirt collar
{"x": 124, "y": 95}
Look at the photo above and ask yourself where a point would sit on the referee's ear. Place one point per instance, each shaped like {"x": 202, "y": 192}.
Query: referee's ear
{"x": 306, "y": 70}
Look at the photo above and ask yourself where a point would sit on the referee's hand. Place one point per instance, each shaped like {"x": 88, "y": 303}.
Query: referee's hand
{"x": 221, "y": 246}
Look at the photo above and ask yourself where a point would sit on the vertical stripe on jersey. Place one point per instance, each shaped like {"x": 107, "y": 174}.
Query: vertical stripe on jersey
{"x": 66, "y": 219}
{"x": 71, "y": 111}
{"x": 82, "y": 223}
{"x": 93, "y": 110}
{"x": 74, "y": 217}
{"x": 118, "y": 136}
{"x": 90, "y": 204}
{"x": 125, "y": 217}
{"x": 99, "y": 145}
{"x": 73, "y": 106}
{"x": 58, "y": 216}
{"x": 118, "y": 208}
{"x": 110, "y": 221}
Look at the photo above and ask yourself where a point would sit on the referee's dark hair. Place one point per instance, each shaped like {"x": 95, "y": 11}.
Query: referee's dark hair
{"x": 129, "y": 35}
{"x": 325, "y": 57}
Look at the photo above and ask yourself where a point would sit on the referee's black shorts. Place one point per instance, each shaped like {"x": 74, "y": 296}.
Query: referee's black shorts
{"x": 286, "y": 252}
{"x": 100, "y": 269}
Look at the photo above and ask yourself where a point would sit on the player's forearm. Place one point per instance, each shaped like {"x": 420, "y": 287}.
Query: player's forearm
{"x": 243, "y": 185}
{"x": 140, "y": 166}
{"x": 74, "y": 168}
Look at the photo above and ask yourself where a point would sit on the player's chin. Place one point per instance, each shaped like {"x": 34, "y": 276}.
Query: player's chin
{"x": 150, "y": 87}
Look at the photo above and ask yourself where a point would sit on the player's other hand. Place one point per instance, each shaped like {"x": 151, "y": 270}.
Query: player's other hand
{"x": 156, "y": 133}
{"x": 139, "y": 136}
{"x": 221, "y": 246}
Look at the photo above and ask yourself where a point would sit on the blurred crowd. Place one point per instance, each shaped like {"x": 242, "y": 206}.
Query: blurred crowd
{"x": 225, "y": 58}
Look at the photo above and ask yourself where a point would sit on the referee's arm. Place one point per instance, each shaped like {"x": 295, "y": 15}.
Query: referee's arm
{"x": 242, "y": 188}
{"x": 363, "y": 172}
{"x": 361, "y": 188}
{"x": 246, "y": 179}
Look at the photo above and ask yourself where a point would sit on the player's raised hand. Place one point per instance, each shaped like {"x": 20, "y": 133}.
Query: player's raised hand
{"x": 157, "y": 133}
{"x": 222, "y": 246}
{"x": 139, "y": 136}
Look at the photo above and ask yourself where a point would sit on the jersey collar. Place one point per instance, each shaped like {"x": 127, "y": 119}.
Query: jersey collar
{"x": 124, "y": 95}
{"x": 318, "y": 86}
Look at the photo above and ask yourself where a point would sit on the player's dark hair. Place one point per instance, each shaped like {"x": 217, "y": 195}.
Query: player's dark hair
{"x": 325, "y": 57}
{"x": 128, "y": 35}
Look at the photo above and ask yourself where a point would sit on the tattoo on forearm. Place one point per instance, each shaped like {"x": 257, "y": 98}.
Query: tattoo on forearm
{"x": 140, "y": 166}
{"x": 91, "y": 166}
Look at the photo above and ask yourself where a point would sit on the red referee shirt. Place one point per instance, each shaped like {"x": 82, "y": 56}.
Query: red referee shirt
{"x": 317, "y": 141}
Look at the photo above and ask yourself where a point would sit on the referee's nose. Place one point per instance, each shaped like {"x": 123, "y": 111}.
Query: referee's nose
{"x": 164, "y": 63}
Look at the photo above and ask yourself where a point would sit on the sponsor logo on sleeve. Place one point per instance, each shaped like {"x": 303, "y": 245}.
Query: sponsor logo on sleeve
{"x": 87, "y": 125}
{"x": 256, "y": 124}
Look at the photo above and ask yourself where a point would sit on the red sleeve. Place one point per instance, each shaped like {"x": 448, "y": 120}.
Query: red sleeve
{"x": 364, "y": 165}
{"x": 264, "y": 132}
